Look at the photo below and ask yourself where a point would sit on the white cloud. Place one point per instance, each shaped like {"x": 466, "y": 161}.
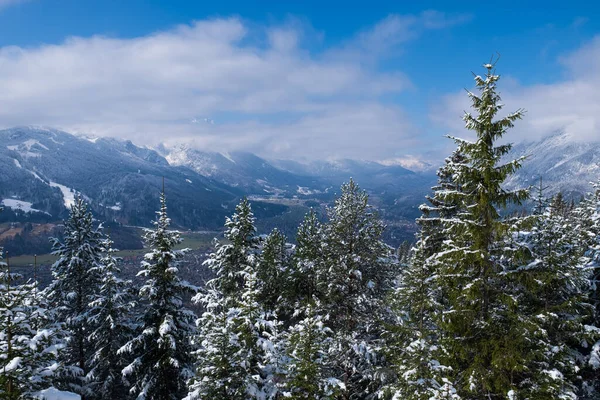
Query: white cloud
{"x": 384, "y": 38}
{"x": 571, "y": 105}
{"x": 270, "y": 95}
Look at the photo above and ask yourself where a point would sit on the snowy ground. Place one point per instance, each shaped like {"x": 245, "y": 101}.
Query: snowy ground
{"x": 55, "y": 394}
{"x": 68, "y": 194}
{"x": 24, "y": 206}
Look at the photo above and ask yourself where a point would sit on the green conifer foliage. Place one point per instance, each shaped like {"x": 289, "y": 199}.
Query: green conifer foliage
{"x": 476, "y": 327}
{"x": 162, "y": 353}
{"x": 76, "y": 281}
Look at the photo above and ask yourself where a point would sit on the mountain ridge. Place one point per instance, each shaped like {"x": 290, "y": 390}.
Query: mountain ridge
{"x": 42, "y": 168}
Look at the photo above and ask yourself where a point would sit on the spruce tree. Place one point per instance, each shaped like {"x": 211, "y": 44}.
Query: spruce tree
{"x": 112, "y": 319}
{"x": 549, "y": 287}
{"x": 14, "y": 329}
{"x": 75, "y": 284}
{"x": 230, "y": 260}
{"x": 482, "y": 348}
{"x": 413, "y": 344}
{"x": 29, "y": 341}
{"x": 353, "y": 280}
{"x": 161, "y": 351}
{"x": 222, "y": 369}
{"x": 271, "y": 272}
{"x": 238, "y": 344}
{"x": 587, "y": 216}
{"x": 309, "y": 367}
{"x": 301, "y": 283}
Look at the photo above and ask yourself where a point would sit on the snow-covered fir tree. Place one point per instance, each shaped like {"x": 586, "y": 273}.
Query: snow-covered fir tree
{"x": 301, "y": 284}
{"x": 14, "y": 330}
{"x": 353, "y": 280}
{"x": 309, "y": 368}
{"x": 75, "y": 284}
{"x": 221, "y": 370}
{"x": 476, "y": 329}
{"x": 161, "y": 351}
{"x": 413, "y": 345}
{"x": 111, "y": 317}
{"x": 29, "y": 341}
{"x": 272, "y": 270}
{"x": 548, "y": 290}
{"x": 231, "y": 260}
{"x": 440, "y": 206}
{"x": 587, "y": 216}
{"x": 238, "y": 352}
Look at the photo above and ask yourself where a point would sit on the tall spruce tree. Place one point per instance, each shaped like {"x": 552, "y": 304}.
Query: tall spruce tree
{"x": 162, "y": 360}
{"x": 353, "y": 280}
{"x": 414, "y": 349}
{"x": 75, "y": 284}
{"x": 112, "y": 319}
{"x": 230, "y": 260}
{"x": 482, "y": 349}
{"x": 237, "y": 342}
{"x": 14, "y": 329}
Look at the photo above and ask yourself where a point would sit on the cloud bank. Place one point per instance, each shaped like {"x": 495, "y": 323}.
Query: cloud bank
{"x": 222, "y": 84}
{"x": 228, "y": 84}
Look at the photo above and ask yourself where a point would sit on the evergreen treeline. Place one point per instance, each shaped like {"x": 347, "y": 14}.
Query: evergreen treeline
{"x": 483, "y": 306}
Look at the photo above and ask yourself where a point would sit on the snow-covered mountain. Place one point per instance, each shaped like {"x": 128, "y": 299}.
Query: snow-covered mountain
{"x": 247, "y": 171}
{"x": 564, "y": 164}
{"x": 261, "y": 176}
{"x": 42, "y": 168}
{"x": 396, "y": 190}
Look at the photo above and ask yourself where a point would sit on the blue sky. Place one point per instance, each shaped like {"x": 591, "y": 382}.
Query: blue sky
{"x": 375, "y": 80}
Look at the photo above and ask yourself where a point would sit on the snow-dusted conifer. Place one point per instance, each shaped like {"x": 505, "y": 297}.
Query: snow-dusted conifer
{"x": 271, "y": 272}
{"x": 413, "y": 345}
{"x": 75, "y": 284}
{"x": 111, "y": 316}
{"x": 309, "y": 367}
{"x": 238, "y": 347}
{"x": 352, "y": 281}
{"x": 476, "y": 328}
{"x": 161, "y": 351}
{"x": 231, "y": 259}
{"x": 29, "y": 342}
{"x": 301, "y": 285}
{"x": 548, "y": 288}
{"x": 587, "y": 215}
{"x": 221, "y": 371}
{"x": 440, "y": 205}
{"x": 14, "y": 329}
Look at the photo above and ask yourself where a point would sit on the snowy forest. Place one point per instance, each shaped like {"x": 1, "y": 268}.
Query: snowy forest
{"x": 488, "y": 303}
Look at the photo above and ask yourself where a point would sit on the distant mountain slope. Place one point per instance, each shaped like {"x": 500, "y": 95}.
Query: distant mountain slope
{"x": 564, "y": 164}
{"x": 42, "y": 168}
{"x": 247, "y": 171}
{"x": 122, "y": 181}
{"x": 288, "y": 178}
{"x": 369, "y": 174}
